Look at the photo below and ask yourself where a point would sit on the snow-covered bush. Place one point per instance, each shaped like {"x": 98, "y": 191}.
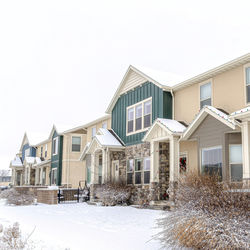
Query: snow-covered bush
{"x": 11, "y": 238}
{"x": 15, "y": 198}
{"x": 114, "y": 194}
{"x": 208, "y": 215}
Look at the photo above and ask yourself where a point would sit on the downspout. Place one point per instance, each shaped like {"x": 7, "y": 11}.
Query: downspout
{"x": 68, "y": 162}
{"x": 172, "y": 93}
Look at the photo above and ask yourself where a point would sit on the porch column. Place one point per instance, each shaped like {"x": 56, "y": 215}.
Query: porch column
{"x": 174, "y": 165}
{"x": 246, "y": 152}
{"x": 108, "y": 166}
{"x": 154, "y": 158}
{"x": 36, "y": 176}
{"x": 28, "y": 175}
{"x": 104, "y": 166}
{"x": 94, "y": 169}
{"x": 41, "y": 176}
{"x": 13, "y": 176}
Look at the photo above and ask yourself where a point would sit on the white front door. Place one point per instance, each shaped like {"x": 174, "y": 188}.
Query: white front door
{"x": 115, "y": 171}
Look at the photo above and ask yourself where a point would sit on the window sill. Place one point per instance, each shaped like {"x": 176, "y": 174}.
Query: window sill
{"x": 138, "y": 131}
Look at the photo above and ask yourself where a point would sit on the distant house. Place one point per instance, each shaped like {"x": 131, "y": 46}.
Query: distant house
{"x": 5, "y": 177}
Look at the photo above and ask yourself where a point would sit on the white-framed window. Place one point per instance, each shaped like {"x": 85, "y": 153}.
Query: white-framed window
{"x": 55, "y": 146}
{"x": 205, "y": 94}
{"x": 46, "y": 150}
{"x": 139, "y": 116}
{"x": 138, "y": 171}
{"x": 146, "y": 172}
{"x": 53, "y": 176}
{"x": 27, "y": 152}
{"x": 235, "y": 162}
{"x": 104, "y": 125}
{"x": 76, "y": 143}
{"x": 211, "y": 160}
{"x": 41, "y": 151}
{"x": 130, "y": 171}
{"x": 93, "y": 131}
{"x": 247, "y": 84}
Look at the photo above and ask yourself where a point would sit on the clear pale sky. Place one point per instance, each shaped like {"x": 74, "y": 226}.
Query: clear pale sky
{"x": 61, "y": 61}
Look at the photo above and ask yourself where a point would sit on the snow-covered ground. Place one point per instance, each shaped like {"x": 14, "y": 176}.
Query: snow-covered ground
{"x": 81, "y": 226}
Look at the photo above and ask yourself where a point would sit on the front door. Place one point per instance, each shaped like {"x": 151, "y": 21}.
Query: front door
{"x": 115, "y": 171}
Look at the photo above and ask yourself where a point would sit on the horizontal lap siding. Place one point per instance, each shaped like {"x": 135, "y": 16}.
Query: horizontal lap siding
{"x": 136, "y": 95}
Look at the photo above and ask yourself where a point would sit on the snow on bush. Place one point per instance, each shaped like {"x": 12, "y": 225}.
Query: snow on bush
{"x": 15, "y": 198}
{"x": 208, "y": 215}
{"x": 114, "y": 194}
{"x": 11, "y": 238}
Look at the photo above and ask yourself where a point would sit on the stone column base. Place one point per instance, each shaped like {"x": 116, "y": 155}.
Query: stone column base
{"x": 172, "y": 190}
{"x": 246, "y": 183}
{"x": 93, "y": 188}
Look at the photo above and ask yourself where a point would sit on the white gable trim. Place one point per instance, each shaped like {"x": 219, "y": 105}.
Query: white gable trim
{"x": 123, "y": 83}
{"x": 200, "y": 118}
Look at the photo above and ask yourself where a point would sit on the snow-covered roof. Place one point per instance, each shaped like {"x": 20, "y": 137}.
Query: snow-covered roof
{"x": 39, "y": 162}
{"x": 173, "y": 125}
{"x": 209, "y": 110}
{"x": 82, "y": 156}
{"x": 241, "y": 113}
{"x": 17, "y": 162}
{"x": 106, "y": 138}
{"x": 162, "y": 77}
{"x": 32, "y": 160}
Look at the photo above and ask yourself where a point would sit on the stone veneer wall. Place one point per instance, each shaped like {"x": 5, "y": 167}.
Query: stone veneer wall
{"x": 47, "y": 196}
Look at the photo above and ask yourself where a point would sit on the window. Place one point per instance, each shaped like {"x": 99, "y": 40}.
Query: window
{"x": 211, "y": 161}
{"x": 146, "y": 170}
{"x": 76, "y": 144}
{"x": 248, "y": 84}
{"x": 46, "y": 150}
{"x": 139, "y": 116}
{"x": 140, "y": 172}
{"x": 130, "y": 169}
{"x": 27, "y": 152}
{"x": 147, "y": 114}
{"x": 138, "y": 169}
{"x": 104, "y": 125}
{"x": 130, "y": 120}
{"x": 55, "y": 146}
{"x": 235, "y": 162}
{"x": 53, "y": 176}
{"x": 93, "y": 132}
{"x": 205, "y": 94}
{"x": 41, "y": 151}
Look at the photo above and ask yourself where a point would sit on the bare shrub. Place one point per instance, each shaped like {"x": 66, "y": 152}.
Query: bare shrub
{"x": 11, "y": 238}
{"x": 114, "y": 194}
{"x": 15, "y": 198}
{"x": 208, "y": 215}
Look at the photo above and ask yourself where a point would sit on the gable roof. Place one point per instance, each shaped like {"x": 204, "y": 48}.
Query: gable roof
{"x": 209, "y": 110}
{"x": 105, "y": 138}
{"x": 171, "y": 82}
{"x": 17, "y": 162}
{"x": 161, "y": 79}
{"x": 171, "y": 127}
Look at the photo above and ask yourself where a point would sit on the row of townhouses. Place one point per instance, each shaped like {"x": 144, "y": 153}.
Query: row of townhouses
{"x": 155, "y": 127}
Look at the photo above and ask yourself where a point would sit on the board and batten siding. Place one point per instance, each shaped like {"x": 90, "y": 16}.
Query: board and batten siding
{"x": 161, "y": 108}
{"x": 56, "y": 160}
{"x": 212, "y": 133}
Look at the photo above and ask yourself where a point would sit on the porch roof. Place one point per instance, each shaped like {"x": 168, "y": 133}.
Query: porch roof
{"x": 242, "y": 113}
{"x": 205, "y": 111}
{"x": 84, "y": 152}
{"x": 106, "y": 138}
{"x": 170, "y": 127}
{"x": 17, "y": 162}
{"x": 40, "y": 163}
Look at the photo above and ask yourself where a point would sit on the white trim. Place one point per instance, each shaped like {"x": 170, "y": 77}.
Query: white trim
{"x": 56, "y": 146}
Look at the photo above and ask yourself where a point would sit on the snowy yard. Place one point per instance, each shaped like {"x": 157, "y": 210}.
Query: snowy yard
{"x": 82, "y": 226}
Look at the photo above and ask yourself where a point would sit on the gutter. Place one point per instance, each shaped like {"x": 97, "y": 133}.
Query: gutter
{"x": 172, "y": 93}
